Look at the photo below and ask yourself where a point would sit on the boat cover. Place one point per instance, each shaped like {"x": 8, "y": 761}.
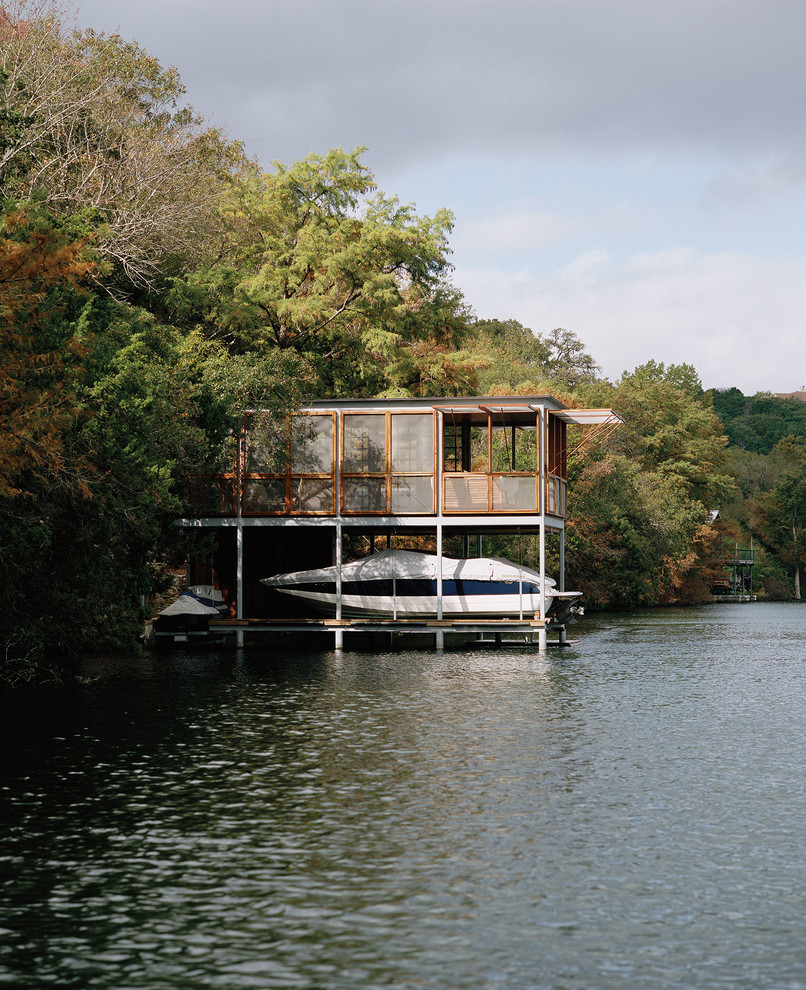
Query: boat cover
{"x": 188, "y": 602}
{"x": 413, "y": 564}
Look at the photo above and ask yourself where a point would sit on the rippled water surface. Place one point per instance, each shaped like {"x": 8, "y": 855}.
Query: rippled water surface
{"x": 630, "y": 812}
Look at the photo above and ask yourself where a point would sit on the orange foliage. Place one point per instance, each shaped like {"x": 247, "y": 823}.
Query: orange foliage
{"x": 37, "y": 402}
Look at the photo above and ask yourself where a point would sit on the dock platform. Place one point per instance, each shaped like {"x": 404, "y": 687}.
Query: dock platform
{"x": 491, "y": 632}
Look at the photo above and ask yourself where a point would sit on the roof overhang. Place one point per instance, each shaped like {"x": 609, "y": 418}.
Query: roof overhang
{"x": 588, "y": 417}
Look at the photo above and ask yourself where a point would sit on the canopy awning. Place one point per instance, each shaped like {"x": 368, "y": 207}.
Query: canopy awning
{"x": 588, "y": 417}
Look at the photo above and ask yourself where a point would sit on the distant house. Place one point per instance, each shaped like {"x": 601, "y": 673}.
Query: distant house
{"x": 800, "y": 395}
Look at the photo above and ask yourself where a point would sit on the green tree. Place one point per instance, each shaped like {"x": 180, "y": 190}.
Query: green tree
{"x": 638, "y": 529}
{"x": 322, "y": 264}
{"x": 670, "y": 428}
{"x": 569, "y": 363}
{"x": 519, "y": 360}
{"x": 633, "y": 536}
{"x": 782, "y": 510}
{"x": 756, "y": 423}
{"x": 513, "y": 356}
{"x": 103, "y": 410}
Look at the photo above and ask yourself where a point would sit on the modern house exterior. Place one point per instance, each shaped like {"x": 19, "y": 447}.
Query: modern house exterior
{"x": 303, "y": 488}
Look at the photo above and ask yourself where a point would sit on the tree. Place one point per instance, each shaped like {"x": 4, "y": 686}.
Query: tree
{"x": 782, "y": 510}
{"x": 322, "y": 264}
{"x": 568, "y": 361}
{"x": 756, "y": 423}
{"x": 512, "y": 354}
{"x": 97, "y": 132}
{"x": 633, "y": 536}
{"x": 40, "y": 353}
{"x": 519, "y": 360}
{"x": 670, "y": 427}
{"x": 641, "y": 500}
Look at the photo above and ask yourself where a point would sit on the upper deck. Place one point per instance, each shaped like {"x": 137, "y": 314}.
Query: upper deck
{"x": 400, "y": 459}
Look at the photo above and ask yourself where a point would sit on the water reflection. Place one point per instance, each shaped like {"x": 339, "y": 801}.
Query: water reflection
{"x": 627, "y": 813}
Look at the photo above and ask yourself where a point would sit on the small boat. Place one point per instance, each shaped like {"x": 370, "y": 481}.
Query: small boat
{"x": 190, "y": 614}
{"x": 199, "y": 599}
{"x": 403, "y": 584}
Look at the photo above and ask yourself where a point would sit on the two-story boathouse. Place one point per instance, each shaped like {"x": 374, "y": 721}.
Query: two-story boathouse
{"x": 314, "y": 488}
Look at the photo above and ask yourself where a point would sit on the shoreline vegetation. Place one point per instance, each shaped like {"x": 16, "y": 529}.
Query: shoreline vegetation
{"x": 154, "y": 282}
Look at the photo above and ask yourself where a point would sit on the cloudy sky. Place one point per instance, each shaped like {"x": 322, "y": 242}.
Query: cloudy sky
{"x": 631, "y": 170}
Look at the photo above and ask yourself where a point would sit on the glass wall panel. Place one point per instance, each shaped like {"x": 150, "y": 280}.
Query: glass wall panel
{"x": 267, "y": 495}
{"x": 502, "y": 438}
{"x": 557, "y": 453}
{"x": 311, "y": 494}
{"x": 453, "y": 447}
{"x": 412, "y": 443}
{"x": 312, "y": 444}
{"x": 514, "y": 494}
{"x": 465, "y": 493}
{"x": 412, "y": 494}
{"x": 364, "y": 444}
{"x": 364, "y": 495}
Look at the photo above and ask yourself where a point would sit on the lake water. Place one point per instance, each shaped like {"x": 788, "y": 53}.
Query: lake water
{"x": 629, "y": 812}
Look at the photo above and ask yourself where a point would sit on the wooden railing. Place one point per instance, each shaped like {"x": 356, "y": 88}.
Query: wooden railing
{"x": 462, "y": 494}
{"x": 556, "y": 492}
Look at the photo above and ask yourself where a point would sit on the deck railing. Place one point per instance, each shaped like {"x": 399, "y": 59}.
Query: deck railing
{"x": 556, "y": 493}
{"x": 468, "y": 493}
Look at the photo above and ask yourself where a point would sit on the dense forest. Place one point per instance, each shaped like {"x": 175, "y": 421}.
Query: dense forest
{"x": 154, "y": 282}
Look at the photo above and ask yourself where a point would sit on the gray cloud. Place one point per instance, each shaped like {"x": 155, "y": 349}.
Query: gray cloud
{"x": 420, "y": 79}
{"x": 633, "y": 170}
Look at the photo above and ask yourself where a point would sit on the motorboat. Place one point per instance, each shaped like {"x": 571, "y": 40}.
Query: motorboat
{"x": 190, "y": 613}
{"x": 403, "y": 584}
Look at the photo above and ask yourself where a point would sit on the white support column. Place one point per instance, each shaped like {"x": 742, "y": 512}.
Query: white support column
{"x": 439, "y": 637}
{"x": 239, "y": 578}
{"x": 394, "y": 588}
{"x": 562, "y": 580}
{"x": 562, "y": 559}
{"x": 520, "y": 583}
{"x": 338, "y": 636}
{"x": 339, "y": 633}
{"x": 239, "y": 541}
{"x": 542, "y": 637}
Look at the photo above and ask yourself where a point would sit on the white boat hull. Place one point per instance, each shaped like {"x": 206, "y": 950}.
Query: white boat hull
{"x": 403, "y": 584}
{"x": 453, "y": 606}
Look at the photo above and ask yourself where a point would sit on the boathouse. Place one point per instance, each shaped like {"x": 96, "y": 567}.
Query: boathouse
{"x": 341, "y": 478}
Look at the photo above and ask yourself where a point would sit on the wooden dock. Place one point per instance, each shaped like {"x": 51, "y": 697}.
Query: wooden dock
{"x": 492, "y": 632}
{"x": 376, "y": 625}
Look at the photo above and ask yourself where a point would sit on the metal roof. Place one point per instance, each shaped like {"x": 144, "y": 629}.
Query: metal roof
{"x": 470, "y": 405}
{"x": 464, "y": 403}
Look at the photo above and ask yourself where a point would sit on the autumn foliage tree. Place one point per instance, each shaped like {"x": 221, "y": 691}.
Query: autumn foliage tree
{"x": 40, "y": 354}
{"x": 95, "y": 128}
